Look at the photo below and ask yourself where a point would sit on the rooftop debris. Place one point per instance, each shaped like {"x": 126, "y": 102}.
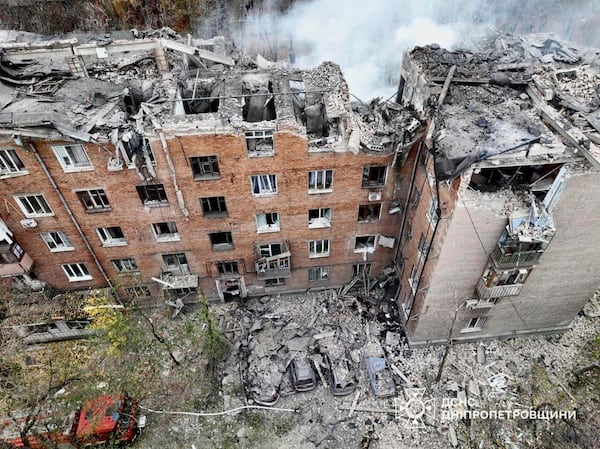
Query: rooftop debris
{"x": 123, "y": 90}
{"x": 528, "y": 96}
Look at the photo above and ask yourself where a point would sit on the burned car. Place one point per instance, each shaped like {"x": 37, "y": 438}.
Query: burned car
{"x": 380, "y": 377}
{"x": 302, "y": 374}
{"x": 342, "y": 379}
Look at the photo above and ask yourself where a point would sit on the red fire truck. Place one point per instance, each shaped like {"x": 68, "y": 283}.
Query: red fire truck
{"x": 98, "y": 421}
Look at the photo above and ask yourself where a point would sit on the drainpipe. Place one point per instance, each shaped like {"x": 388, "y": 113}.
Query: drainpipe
{"x": 178, "y": 192}
{"x": 74, "y": 220}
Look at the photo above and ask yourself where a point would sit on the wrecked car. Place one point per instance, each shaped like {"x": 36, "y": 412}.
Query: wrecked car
{"x": 263, "y": 391}
{"x": 342, "y": 380}
{"x": 302, "y": 375}
{"x": 380, "y": 377}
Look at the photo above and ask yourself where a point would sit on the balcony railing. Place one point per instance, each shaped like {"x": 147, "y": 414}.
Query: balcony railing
{"x": 516, "y": 259}
{"x": 498, "y": 291}
{"x": 273, "y": 273}
{"x": 178, "y": 280}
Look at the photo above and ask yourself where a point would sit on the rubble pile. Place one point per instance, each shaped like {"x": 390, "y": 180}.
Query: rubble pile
{"x": 270, "y": 332}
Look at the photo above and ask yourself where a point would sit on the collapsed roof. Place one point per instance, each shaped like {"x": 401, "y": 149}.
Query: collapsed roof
{"x": 514, "y": 97}
{"x": 99, "y": 89}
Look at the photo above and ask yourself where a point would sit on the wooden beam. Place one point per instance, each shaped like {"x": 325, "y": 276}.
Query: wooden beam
{"x": 204, "y": 54}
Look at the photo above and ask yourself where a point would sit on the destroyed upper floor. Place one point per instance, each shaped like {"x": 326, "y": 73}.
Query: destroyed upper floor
{"x": 523, "y": 100}
{"x": 99, "y": 89}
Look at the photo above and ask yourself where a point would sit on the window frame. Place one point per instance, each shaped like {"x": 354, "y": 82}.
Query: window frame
{"x": 97, "y": 198}
{"x": 257, "y": 180}
{"x": 165, "y": 236}
{"x": 12, "y": 163}
{"x": 320, "y": 182}
{"x": 263, "y": 248}
{"x": 134, "y": 290}
{"x": 223, "y": 246}
{"x": 318, "y": 274}
{"x": 126, "y": 265}
{"x": 432, "y": 215}
{"x": 180, "y": 266}
{"x": 321, "y": 221}
{"x": 68, "y": 161}
{"x": 258, "y": 135}
{"x": 275, "y": 282}
{"x": 144, "y": 190}
{"x": 107, "y": 239}
{"x": 359, "y": 268}
{"x": 367, "y": 176}
{"x": 314, "y": 245}
{"x": 366, "y": 248}
{"x": 74, "y": 276}
{"x": 275, "y": 227}
{"x": 221, "y": 265}
{"x": 369, "y": 208}
{"x": 54, "y": 237}
{"x": 128, "y": 158}
{"x": 220, "y": 202}
{"x": 27, "y": 196}
{"x": 474, "y": 324}
{"x": 204, "y": 167}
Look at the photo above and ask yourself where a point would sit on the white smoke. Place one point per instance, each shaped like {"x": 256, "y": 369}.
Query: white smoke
{"x": 367, "y": 37}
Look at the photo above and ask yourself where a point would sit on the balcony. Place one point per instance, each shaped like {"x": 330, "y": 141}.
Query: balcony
{"x": 273, "y": 260}
{"x": 273, "y": 273}
{"x": 174, "y": 280}
{"x": 485, "y": 292}
{"x": 505, "y": 259}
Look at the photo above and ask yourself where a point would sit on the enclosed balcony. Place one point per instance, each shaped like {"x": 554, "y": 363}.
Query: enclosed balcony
{"x": 497, "y": 291}
{"x": 507, "y": 257}
{"x": 273, "y": 260}
{"x": 13, "y": 259}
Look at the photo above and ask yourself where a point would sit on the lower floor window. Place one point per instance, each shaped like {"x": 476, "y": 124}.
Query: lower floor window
{"x": 360, "y": 268}
{"x": 474, "y": 324}
{"x": 76, "y": 272}
{"x": 138, "y": 291}
{"x": 274, "y": 282}
{"x": 318, "y": 274}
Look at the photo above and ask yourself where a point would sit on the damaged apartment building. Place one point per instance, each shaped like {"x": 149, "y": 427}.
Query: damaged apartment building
{"x": 167, "y": 166}
{"x": 501, "y": 198}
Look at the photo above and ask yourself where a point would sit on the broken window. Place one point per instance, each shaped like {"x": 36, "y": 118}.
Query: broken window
{"x": 76, "y": 272}
{"x": 318, "y": 248}
{"x": 138, "y": 291}
{"x": 373, "y": 176}
{"x": 274, "y": 282}
{"x": 267, "y": 222}
{"x": 260, "y": 143}
{"x": 111, "y": 236}
{"x": 136, "y": 150}
{"x": 213, "y": 206}
{"x": 200, "y": 95}
{"x": 358, "y": 269}
{"x": 319, "y": 218}
{"x": 10, "y": 164}
{"x": 318, "y": 274}
{"x": 493, "y": 277}
{"x": 221, "y": 241}
{"x": 432, "y": 213}
{"x": 205, "y": 167}
{"x": 416, "y": 197}
{"x": 34, "y": 205}
{"x": 263, "y": 185}
{"x": 270, "y": 249}
{"x": 94, "y": 200}
{"x": 369, "y": 212}
{"x": 413, "y": 279}
{"x": 259, "y": 102}
{"x": 230, "y": 267}
{"x": 408, "y": 232}
{"x": 72, "y": 157}
{"x": 423, "y": 247}
{"x": 125, "y": 265}
{"x": 165, "y": 231}
{"x": 152, "y": 195}
{"x": 320, "y": 181}
{"x": 57, "y": 241}
{"x": 365, "y": 243}
{"x": 474, "y": 324}
{"x": 176, "y": 263}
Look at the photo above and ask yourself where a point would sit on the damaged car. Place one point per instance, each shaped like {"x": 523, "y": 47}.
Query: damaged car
{"x": 342, "y": 379}
{"x": 302, "y": 375}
